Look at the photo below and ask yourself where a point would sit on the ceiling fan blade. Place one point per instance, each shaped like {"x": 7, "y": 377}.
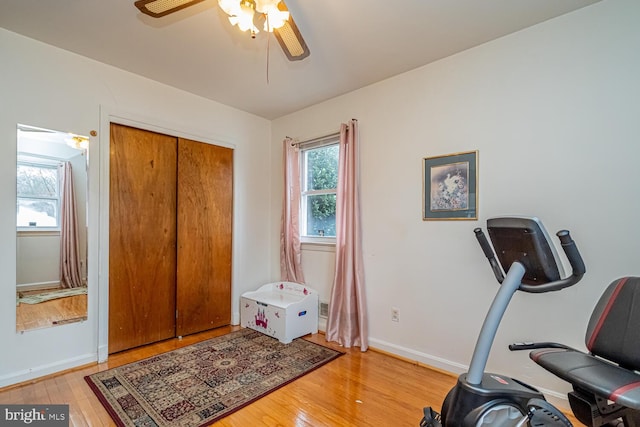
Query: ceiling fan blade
{"x": 290, "y": 39}
{"x": 158, "y": 8}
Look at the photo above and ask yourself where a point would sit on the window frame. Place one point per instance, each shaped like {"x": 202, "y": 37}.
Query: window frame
{"x": 57, "y": 199}
{"x": 330, "y": 140}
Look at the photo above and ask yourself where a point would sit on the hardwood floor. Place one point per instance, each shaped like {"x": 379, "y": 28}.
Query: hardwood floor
{"x": 51, "y": 313}
{"x": 357, "y": 389}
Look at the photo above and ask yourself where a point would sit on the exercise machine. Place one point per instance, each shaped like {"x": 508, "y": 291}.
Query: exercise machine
{"x": 606, "y": 382}
{"x": 539, "y": 413}
{"x": 523, "y": 258}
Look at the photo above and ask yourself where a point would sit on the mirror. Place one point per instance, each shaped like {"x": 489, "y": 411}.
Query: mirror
{"x": 51, "y": 228}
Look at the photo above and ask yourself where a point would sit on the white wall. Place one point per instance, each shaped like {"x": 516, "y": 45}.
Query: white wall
{"x": 318, "y": 265}
{"x": 553, "y": 111}
{"x": 38, "y": 260}
{"x": 47, "y": 87}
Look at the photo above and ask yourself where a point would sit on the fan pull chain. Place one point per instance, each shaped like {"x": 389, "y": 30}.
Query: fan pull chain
{"x": 268, "y": 45}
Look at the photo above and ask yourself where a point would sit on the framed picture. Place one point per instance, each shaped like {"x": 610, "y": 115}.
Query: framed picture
{"x": 450, "y": 187}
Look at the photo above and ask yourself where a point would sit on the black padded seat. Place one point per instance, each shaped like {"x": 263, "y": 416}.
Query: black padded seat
{"x": 611, "y": 368}
{"x": 592, "y": 374}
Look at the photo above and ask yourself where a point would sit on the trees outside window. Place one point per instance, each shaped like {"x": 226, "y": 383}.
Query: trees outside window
{"x": 319, "y": 182}
{"x": 38, "y": 191}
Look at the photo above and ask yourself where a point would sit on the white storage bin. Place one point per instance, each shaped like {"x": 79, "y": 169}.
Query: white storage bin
{"x": 283, "y": 310}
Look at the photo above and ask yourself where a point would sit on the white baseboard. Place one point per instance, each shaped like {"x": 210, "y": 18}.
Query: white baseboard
{"x": 423, "y": 358}
{"x": 37, "y": 286}
{"x": 103, "y": 353}
{"x": 555, "y": 398}
{"x": 235, "y": 318}
{"x": 43, "y": 370}
{"x": 322, "y": 324}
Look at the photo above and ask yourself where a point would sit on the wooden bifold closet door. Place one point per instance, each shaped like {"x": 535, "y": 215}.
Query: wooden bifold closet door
{"x": 169, "y": 237}
{"x": 205, "y": 199}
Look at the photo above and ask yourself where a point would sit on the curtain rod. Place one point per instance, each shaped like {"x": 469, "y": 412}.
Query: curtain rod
{"x": 40, "y": 156}
{"x": 316, "y": 140}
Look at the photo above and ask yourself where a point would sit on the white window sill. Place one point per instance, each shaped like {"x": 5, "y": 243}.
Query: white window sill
{"x": 319, "y": 244}
{"x": 32, "y": 232}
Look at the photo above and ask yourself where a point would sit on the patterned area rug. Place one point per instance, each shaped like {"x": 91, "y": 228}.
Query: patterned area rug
{"x": 201, "y": 383}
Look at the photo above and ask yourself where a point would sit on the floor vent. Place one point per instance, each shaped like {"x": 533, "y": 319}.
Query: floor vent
{"x": 324, "y": 309}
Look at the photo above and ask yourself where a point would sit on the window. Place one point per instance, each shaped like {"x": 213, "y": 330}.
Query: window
{"x": 319, "y": 174}
{"x": 38, "y": 191}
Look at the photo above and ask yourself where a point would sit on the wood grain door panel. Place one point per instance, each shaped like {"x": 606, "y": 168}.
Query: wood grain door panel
{"x": 205, "y": 203}
{"x": 142, "y": 237}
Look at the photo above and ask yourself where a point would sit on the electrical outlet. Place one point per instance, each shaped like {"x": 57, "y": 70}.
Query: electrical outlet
{"x": 395, "y": 314}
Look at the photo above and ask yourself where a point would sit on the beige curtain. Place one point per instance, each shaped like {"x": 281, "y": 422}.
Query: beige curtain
{"x": 347, "y": 320}
{"x": 70, "y": 275}
{"x": 290, "y": 255}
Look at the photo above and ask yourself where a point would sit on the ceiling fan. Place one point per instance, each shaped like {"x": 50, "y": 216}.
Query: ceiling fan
{"x": 273, "y": 15}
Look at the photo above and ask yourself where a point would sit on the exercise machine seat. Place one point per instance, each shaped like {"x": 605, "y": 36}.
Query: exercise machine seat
{"x": 610, "y": 369}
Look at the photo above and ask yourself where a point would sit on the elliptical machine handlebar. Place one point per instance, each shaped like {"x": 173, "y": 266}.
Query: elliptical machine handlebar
{"x": 568, "y": 246}
{"x": 488, "y": 252}
{"x": 575, "y": 260}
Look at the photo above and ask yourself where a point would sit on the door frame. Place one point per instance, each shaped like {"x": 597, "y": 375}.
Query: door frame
{"x": 110, "y": 115}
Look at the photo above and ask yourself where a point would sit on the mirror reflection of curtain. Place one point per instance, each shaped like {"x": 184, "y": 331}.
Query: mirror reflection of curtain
{"x": 70, "y": 276}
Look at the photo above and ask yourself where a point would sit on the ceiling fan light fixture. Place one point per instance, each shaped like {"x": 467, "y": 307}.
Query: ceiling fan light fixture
{"x": 278, "y": 20}
{"x": 275, "y": 19}
{"x": 230, "y": 7}
{"x": 247, "y": 13}
{"x": 158, "y": 8}
{"x": 77, "y": 141}
{"x": 241, "y": 13}
{"x": 263, "y": 6}
{"x": 274, "y": 16}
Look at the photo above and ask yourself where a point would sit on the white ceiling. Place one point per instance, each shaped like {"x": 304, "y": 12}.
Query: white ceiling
{"x": 353, "y": 43}
{"x": 40, "y": 142}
